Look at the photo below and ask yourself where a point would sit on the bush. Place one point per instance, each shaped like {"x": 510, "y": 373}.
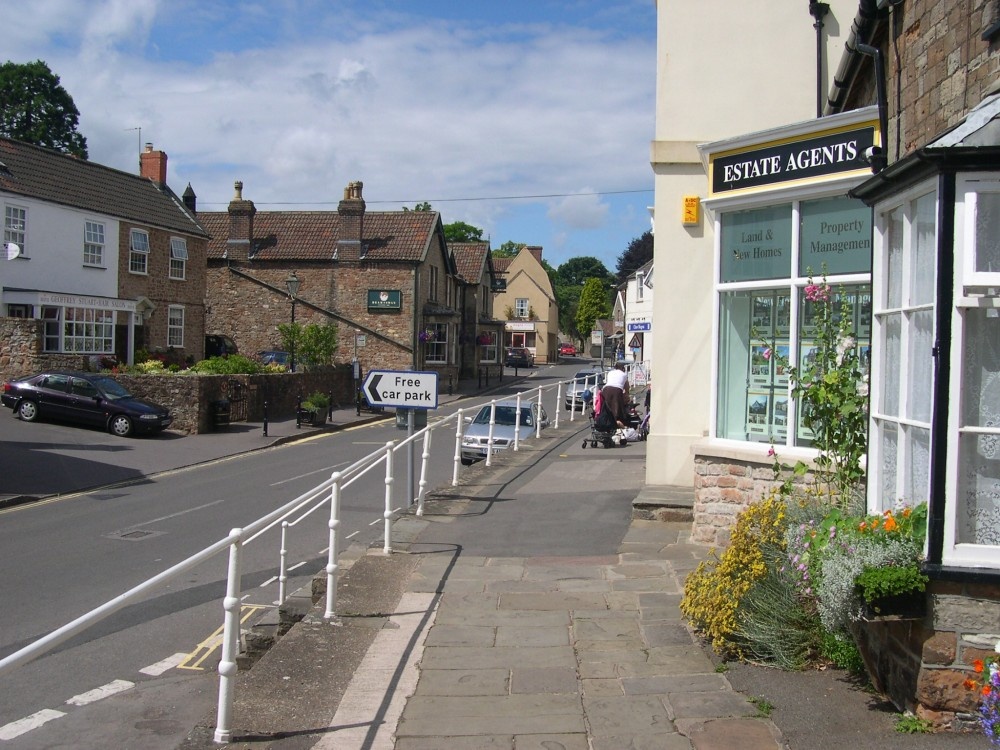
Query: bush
{"x": 317, "y": 401}
{"x": 713, "y": 592}
{"x": 234, "y": 364}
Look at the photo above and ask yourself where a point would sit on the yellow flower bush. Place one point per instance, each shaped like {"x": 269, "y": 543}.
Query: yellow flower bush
{"x": 712, "y": 593}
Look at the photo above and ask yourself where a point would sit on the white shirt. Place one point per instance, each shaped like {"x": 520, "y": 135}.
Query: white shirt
{"x": 617, "y": 378}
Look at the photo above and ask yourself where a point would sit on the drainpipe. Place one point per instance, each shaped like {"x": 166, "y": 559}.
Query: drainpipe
{"x": 878, "y": 159}
{"x": 861, "y": 29}
{"x": 818, "y": 11}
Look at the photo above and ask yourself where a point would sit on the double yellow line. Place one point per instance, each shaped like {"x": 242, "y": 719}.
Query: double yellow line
{"x": 203, "y": 650}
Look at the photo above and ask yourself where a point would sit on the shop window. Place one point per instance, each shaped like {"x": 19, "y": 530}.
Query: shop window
{"x": 766, "y": 324}
{"x": 88, "y": 330}
{"x": 488, "y": 347}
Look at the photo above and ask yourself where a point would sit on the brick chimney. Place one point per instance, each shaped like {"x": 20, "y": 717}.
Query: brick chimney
{"x": 241, "y": 213}
{"x": 535, "y": 250}
{"x": 153, "y": 165}
{"x": 351, "y": 211}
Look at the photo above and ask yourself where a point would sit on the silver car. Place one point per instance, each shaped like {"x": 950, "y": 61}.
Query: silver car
{"x": 475, "y": 441}
{"x": 584, "y": 380}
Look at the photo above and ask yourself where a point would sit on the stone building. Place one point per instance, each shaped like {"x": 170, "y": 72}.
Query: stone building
{"x": 480, "y": 334}
{"x": 866, "y": 144}
{"x": 109, "y": 262}
{"x": 386, "y": 280}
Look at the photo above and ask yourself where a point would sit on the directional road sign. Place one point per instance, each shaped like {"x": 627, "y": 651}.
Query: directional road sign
{"x": 414, "y": 390}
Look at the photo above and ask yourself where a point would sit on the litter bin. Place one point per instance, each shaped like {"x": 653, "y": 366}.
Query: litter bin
{"x": 219, "y": 413}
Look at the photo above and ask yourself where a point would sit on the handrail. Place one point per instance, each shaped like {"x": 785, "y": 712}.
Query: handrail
{"x": 328, "y": 491}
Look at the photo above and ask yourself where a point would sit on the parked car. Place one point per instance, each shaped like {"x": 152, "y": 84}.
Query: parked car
{"x": 583, "y": 381}
{"x": 475, "y": 441}
{"x": 518, "y": 356}
{"x": 85, "y": 398}
{"x": 274, "y": 358}
{"x": 567, "y": 350}
{"x": 219, "y": 345}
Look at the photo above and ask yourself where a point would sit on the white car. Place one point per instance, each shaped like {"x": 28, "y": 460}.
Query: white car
{"x": 584, "y": 380}
{"x": 475, "y": 441}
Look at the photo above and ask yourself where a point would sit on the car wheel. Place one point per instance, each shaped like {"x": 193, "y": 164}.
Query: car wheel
{"x": 27, "y": 410}
{"x": 466, "y": 462}
{"x": 120, "y": 425}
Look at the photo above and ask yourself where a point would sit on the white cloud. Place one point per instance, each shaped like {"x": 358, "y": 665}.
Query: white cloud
{"x": 582, "y": 211}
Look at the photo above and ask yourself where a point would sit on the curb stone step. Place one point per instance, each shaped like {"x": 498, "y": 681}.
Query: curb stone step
{"x": 666, "y": 502}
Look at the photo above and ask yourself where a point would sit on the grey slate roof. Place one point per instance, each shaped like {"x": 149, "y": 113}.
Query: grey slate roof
{"x": 46, "y": 175}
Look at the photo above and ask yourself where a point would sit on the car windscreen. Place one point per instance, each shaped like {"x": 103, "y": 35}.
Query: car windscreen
{"x": 112, "y": 388}
{"x": 505, "y": 415}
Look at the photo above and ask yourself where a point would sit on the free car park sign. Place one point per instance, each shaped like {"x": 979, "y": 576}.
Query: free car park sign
{"x": 413, "y": 390}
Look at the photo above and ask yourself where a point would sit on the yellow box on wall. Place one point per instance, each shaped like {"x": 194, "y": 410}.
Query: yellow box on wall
{"x": 690, "y": 213}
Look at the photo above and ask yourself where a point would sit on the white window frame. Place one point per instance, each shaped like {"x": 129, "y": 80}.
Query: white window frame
{"x": 93, "y": 244}
{"x": 87, "y": 330}
{"x": 138, "y": 252}
{"x": 15, "y": 227}
{"x": 178, "y": 258}
{"x": 436, "y": 350}
{"x": 175, "y": 326}
{"x": 881, "y": 496}
{"x": 490, "y": 351}
{"x": 970, "y": 295}
{"x": 639, "y": 279}
{"x": 522, "y": 306}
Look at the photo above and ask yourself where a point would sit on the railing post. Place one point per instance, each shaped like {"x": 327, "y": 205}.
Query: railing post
{"x": 283, "y": 563}
{"x": 558, "y": 402}
{"x": 538, "y": 417}
{"x": 331, "y": 560}
{"x": 489, "y": 440}
{"x": 572, "y": 406}
{"x": 460, "y": 422}
{"x": 422, "y": 484}
{"x": 230, "y": 642}
{"x": 517, "y": 423}
{"x": 387, "y": 514}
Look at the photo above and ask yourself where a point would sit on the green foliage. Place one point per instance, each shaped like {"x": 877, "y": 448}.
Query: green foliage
{"x": 509, "y": 249}
{"x": 909, "y": 724}
{"x": 424, "y": 206}
{"x": 577, "y": 271}
{"x": 317, "y": 401}
{"x": 313, "y": 345}
{"x": 764, "y": 707}
{"x": 638, "y": 254}
{"x": 593, "y": 305}
{"x": 832, "y": 386}
{"x": 234, "y": 364}
{"x": 879, "y": 583}
{"x": 841, "y": 651}
{"x": 459, "y": 231}
{"x": 36, "y": 109}
{"x": 713, "y": 592}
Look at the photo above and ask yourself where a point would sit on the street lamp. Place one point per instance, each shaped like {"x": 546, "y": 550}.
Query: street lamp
{"x": 292, "y": 283}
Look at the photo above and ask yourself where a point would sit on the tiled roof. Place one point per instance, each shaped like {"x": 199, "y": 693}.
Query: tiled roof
{"x": 50, "y": 176}
{"x": 313, "y": 235}
{"x": 500, "y": 265}
{"x": 470, "y": 259}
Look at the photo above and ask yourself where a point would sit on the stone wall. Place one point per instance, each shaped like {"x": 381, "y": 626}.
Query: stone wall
{"x": 723, "y": 488}
{"x": 921, "y": 664}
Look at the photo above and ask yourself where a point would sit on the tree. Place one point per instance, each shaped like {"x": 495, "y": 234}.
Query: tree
{"x": 575, "y": 271}
{"x": 425, "y": 206}
{"x": 593, "y": 305}
{"x": 36, "y": 109}
{"x": 459, "y": 231}
{"x": 509, "y": 249}
{"x": 638, "y": 254}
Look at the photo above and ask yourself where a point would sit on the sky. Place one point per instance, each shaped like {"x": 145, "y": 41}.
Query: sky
{"x": 530, "y": 119}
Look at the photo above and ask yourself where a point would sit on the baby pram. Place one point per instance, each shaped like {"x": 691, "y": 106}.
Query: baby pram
{"x": 607, "y": 438}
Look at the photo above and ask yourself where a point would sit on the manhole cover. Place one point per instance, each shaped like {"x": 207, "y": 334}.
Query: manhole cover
{"x": 134, "y": 535}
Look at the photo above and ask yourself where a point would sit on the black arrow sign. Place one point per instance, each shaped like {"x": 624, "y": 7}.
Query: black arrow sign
{"x": 373, "y": 395}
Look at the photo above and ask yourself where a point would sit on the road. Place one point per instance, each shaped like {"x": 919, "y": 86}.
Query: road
{"x": 64, "y": 557}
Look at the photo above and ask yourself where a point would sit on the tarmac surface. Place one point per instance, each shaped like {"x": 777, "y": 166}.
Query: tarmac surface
{"x": 480, "y": 633}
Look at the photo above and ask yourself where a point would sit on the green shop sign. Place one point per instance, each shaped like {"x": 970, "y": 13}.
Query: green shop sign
{"x": 384, "y": 299}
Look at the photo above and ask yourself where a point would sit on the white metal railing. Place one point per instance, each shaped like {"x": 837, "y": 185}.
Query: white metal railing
{"x": 287, "y": 517}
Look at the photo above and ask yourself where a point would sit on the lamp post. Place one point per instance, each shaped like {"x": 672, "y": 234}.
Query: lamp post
{"x": 292, "y": 282}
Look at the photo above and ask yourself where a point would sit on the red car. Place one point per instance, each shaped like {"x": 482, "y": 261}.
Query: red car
{"x": 567, "y": 350}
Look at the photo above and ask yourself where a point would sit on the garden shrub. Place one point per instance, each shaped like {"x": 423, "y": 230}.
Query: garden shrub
{"x": 712, "y": 593}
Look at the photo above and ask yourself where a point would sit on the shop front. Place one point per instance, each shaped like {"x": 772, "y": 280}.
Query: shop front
{"x": 784, "y": 226}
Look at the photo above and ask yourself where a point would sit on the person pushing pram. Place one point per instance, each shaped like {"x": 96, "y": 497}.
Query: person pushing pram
{"x": 610, "y": 416}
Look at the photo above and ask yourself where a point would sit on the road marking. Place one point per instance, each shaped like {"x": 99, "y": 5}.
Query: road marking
{"x": 269, "y": 581}
{"x": 298, "y": 565}
{"x": 203, "y": 650}
{"x": 97, "y": 694}
{"x": 19, "y": 727}
{"x": 155, "y": 670}
{"x": 175, "y": 515}
{"x": 326, "y": 470}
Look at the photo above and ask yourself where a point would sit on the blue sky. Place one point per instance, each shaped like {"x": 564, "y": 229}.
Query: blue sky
{"x": 531, "y": 120}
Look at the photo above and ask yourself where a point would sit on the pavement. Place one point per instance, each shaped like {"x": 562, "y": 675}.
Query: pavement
{"x": 470, "y": 636}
